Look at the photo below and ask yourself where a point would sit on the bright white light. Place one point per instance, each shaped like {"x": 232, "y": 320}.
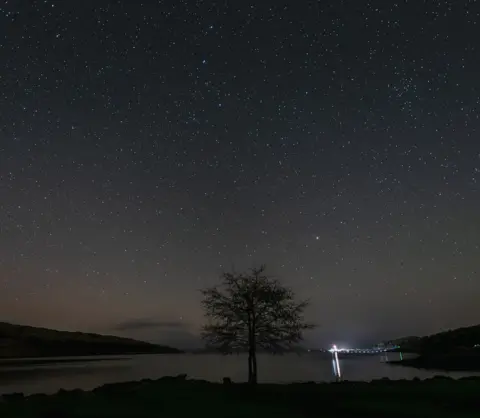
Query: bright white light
{"x": 334, "y": 349}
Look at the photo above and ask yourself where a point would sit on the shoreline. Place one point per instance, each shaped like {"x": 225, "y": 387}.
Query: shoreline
{"x": 182, "y": 397}
{"x": 442, "y": 365}
{"x": 25, "y": 362}
{"x": 68, "y": 357}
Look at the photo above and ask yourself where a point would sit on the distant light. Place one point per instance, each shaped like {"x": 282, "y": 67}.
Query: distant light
{"x": 334, "y": 349}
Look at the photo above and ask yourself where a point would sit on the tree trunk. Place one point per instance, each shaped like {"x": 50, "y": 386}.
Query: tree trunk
{"x": 251, "y": 379}
{"x": 254, "y": 367}
{"x": 253, "y": 349}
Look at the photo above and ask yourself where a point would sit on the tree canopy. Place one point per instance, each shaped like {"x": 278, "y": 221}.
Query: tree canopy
{"x": 250, "y": 311}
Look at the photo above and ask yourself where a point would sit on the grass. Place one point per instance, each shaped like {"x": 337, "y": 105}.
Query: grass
{"x": 176, "y": 397}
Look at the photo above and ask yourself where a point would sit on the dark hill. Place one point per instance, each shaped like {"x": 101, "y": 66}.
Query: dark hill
{"x": 23, "y": 341}
{"x": 457, "y": 349}
{"x": 458, "y": 339}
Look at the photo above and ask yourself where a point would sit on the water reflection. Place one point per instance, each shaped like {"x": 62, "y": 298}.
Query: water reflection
{"x": 336, "y": 366}
{"x": 318, "y": 367}
{"x": 393, "y": 356}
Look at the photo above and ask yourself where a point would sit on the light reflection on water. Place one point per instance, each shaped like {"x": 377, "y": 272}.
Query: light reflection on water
{"x": 337, "y": 372}
{"x": 49, "y": 378}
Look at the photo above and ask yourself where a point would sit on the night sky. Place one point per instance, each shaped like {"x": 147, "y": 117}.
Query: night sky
{"x": 147, "y": 146}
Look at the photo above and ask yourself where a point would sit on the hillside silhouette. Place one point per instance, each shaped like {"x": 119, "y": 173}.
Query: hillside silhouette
{"x": 457, "y": 339}
{"x": 17, "y": 341}
{"x": 457, "y": 349}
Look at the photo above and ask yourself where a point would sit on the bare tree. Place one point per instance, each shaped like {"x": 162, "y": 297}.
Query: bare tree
{"x": 252, "y": 311}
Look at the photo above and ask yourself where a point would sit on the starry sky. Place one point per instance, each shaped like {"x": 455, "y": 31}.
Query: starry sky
{"x": 147, "y": 146}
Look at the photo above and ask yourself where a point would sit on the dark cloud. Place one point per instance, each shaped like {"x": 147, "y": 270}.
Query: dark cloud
{"x": 146, "y": 323}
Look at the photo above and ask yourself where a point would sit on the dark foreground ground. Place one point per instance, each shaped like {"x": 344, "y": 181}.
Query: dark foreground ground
{"x": 177, "y": 397}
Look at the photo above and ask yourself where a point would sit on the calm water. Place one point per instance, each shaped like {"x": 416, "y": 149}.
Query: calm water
{"x": 49, "y": 378}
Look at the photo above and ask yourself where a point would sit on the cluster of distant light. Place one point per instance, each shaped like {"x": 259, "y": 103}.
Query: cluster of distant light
{"x": 335, "y": 349}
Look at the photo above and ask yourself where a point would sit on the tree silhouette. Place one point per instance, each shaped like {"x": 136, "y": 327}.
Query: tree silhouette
{"x": 252, "y": 311}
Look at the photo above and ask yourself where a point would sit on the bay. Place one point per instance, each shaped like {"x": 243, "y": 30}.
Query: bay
{"x": 50, "y": 375}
